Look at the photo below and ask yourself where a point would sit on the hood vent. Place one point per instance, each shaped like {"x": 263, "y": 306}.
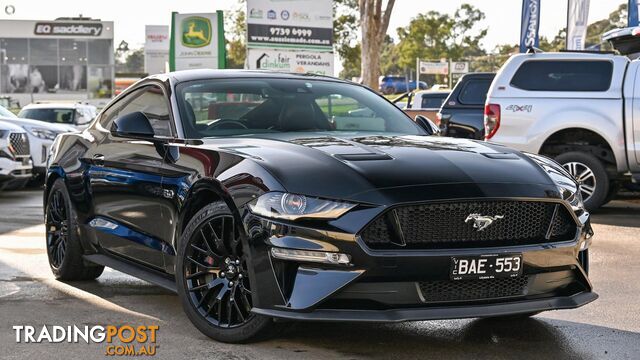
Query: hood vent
{"x": 363, "y": 157}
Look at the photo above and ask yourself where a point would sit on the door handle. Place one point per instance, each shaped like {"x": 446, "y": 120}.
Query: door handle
{"x": 98, "y": 159}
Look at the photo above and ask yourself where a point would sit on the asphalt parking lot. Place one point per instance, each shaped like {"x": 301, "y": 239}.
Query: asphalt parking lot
{"x": 609, "y": 328}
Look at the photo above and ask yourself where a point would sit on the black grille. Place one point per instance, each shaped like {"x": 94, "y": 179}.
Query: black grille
{"x": 464, "y": 290}
{"x": 447, "y": 225}
{"x": 19, "y": 144}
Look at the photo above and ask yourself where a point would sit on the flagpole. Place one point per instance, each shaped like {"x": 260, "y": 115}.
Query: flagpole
{"x": 566, "y": 32}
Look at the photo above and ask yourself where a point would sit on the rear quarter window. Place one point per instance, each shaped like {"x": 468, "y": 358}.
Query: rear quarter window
{"x": 565, "y": 75}
{"x": 433, "y": 101}
{"x": 474, "y": 92}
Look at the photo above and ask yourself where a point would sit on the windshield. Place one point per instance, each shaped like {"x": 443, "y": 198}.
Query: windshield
{"x": 6, "y": 113}
{"x": 58, "y": 116}
{"x": 233, "y": 107}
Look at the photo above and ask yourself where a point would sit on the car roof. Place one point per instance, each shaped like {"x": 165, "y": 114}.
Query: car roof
{"x": 202, "y": 74}
{"x": 434, "y": 92}
{"x": 54, "y": 105}
{"x": 569, "y": 55}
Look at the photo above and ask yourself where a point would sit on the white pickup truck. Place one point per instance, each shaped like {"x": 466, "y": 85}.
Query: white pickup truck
{"x": 581, "y": 109}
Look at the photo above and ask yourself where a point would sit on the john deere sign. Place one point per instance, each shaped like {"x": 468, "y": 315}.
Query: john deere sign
{"x": 196, "y": 32}
{"x": 197, "y": 41}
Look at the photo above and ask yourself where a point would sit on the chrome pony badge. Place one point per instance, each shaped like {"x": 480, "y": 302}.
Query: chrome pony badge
{"x": 481, "y": 222}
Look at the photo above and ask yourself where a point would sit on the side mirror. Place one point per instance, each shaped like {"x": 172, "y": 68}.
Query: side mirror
{"x": 134, "y": 125}
{"x": 429, "y": 126}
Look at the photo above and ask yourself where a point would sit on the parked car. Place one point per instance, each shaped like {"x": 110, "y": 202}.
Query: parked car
{"x": 296, "y": 209}
{"x": 15, "y": 161}
{"x": 41, "y": 135}
{"x": 425, "y": 103}
{"x": 78, "y": 115}
{"x": 389, "y": 85}
{"x": 462, "y": 113}
{"x": 575, "y": 107}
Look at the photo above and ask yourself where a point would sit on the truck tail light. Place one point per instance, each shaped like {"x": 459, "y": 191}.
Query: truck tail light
{"x": 491, "y": 120}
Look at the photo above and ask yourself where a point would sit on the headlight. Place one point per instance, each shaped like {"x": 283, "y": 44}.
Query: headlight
{"x": 567, "y": 185}
{"x": 41, "y": 133}
{"x": 286, "y": 206}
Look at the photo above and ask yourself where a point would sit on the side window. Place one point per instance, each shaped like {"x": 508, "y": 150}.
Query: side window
{"x": 433, "y": 101}
{"x": 474, "y": 92}
{"x": 563, "y": 75}
{"x": 149, "y": 100}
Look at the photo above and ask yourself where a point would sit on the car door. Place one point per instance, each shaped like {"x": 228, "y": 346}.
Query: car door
{"x": 125, "y": 179}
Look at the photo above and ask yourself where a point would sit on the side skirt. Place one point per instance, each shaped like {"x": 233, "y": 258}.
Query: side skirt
{"x": 135, "y": 270}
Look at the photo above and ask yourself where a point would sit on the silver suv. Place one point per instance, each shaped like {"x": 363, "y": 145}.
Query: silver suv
{"x": 581, "y": 109}
{"x": 15, "y": 160}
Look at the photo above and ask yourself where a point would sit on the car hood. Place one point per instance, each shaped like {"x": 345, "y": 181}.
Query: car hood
{"x": 58, "y": 128}
{"x": 357, "y": 166}
{"x": 9, "y": 125}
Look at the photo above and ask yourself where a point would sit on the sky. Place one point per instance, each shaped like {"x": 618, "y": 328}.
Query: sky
{"x": 130, "y": 16}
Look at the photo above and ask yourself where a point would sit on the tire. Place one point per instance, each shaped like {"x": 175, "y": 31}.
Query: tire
{"x": 212, "y": 278}
{"x": 63, "y": 238}
{"x": 591, "y": 174}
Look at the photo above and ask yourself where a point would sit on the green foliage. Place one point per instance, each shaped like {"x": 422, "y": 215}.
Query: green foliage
{"x": 133, "y": 62}
{"x": 235, "y": 37}
{"x": 345, "y": 36}
{"x": 617, "y": 19}
{"x": 435, "y": 35}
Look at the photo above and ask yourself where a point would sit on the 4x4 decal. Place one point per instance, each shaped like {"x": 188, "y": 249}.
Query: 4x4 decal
{"x": 519, "y": 108}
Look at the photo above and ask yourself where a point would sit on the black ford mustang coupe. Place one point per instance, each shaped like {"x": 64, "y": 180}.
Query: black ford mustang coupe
{"x": 260, "y": 196}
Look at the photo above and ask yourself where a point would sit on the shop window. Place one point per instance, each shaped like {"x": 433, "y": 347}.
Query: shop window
{"x": 43, "y": 52}
{"x": 14, "y": 51}
{"x": 43, "y": 79}
{"x": 73, "y": 52}
{"x": 73, "y": 78}
{"x": 100, "y": 81}
{"x": 100, "y": 52}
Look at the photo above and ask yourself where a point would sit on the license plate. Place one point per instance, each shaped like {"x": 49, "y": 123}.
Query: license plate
{"x": 486, "y": 266}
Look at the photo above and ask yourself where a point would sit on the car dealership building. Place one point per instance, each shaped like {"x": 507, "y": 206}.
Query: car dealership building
{"x": 64, "y": 59}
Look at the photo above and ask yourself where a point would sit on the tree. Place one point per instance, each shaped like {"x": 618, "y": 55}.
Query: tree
{"x": 374, "y": 23}
{"x": 235, "y": 37}
{"x": 133, "y": 62}
{"x": 345, "y": 40}
{"x": 435, "y": 35}
{"x": 617, "y": 19}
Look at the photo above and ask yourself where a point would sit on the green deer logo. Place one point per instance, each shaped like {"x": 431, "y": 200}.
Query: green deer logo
{"x": 196, "y": 32}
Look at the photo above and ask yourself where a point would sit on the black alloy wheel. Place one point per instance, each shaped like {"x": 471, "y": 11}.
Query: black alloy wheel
{"x": 64, "y": 247}
{"x": 213, "y": 278}
{"x": 215, "y": 273}
{"x": 57, "y": 223}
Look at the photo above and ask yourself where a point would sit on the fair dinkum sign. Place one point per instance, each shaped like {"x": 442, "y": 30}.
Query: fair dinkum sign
{"x": 298, "y": 61}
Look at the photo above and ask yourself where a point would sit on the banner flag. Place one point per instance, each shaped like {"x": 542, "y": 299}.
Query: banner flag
{"x": 633, "y": 13}
{"x": 530, "y": 24}
{"x": 577, "y": 18}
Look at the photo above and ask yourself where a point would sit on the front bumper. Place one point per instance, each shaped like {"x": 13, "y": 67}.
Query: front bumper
{"x": 435, "y": 313}
{"x": 390, "y": 285}
{"x": 11, "y": 169}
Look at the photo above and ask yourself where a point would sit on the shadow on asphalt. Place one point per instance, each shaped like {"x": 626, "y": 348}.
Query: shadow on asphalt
{"x": 618, "y": 213}
{"x": 14, "y": 218}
